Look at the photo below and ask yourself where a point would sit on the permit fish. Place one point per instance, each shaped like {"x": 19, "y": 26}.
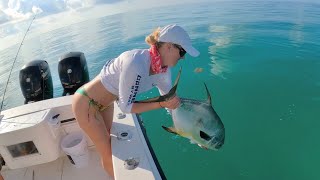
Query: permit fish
{"x": 194, "y": 119}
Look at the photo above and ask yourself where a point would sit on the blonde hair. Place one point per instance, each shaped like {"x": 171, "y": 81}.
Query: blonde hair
{"x": 152, "y": 39}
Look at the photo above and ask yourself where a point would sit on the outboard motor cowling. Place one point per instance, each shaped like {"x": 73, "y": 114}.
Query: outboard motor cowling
{"x": 73, "y": 71}
{"x": 36, "y": 81}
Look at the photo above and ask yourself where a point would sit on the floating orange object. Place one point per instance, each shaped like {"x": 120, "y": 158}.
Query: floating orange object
{"x": 198, "y": 70}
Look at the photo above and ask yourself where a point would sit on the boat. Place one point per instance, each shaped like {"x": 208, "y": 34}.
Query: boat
{"x": 31, "y": 136}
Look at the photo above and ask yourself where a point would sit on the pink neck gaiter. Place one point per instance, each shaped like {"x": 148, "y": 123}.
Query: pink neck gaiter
{"x": 156, "y": 61}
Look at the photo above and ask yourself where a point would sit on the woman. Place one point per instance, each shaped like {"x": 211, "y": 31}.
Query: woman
{"x": 123, "y": 78}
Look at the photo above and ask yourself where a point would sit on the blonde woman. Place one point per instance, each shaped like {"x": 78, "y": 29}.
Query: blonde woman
{"x": 122, "y": 78}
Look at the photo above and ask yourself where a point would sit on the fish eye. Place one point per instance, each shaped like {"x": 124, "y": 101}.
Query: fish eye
{"x": 204, "y": 136}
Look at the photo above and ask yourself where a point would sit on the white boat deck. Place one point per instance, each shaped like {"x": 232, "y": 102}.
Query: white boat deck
{"x": 128, "y": 143}
{"x": 134, "y": 148}
{"x": 60, "y": 169}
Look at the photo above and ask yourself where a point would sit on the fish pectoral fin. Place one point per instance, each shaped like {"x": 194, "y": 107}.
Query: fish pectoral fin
{"x": 203, "y": 147}
{"x": 170, "y": 130}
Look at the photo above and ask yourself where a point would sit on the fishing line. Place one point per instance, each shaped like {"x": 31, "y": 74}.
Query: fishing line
{"x": 15, "y": 59}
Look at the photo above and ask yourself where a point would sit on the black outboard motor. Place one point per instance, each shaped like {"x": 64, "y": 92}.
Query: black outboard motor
{"x": 36, "y": 81}
{"x": 73, "y": 71}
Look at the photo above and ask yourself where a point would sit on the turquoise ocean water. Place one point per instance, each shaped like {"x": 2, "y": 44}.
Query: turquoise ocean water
{"x": 261, "y": 64}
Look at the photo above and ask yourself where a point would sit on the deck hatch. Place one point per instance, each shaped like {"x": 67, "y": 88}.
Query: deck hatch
{"x": 22, "y": 149}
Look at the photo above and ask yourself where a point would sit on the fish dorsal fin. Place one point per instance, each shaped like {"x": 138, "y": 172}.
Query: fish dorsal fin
{"x": 166, "y": 97}
{"x": 208, "y": 94}
{"x": 170, "y": 130}
{"x": 174, "y": 88}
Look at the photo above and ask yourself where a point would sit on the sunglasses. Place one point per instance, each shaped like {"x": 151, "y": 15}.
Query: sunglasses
{"x": 182, "y": 52}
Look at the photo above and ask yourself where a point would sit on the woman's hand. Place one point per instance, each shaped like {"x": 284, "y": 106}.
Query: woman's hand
{"x": 172, "y": 103}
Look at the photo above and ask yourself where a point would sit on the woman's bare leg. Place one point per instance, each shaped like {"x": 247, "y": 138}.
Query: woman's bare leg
{"x": 95, "y": 129}
{"x": 108, "y": 117}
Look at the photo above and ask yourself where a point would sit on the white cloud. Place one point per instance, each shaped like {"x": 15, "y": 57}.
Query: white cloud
{"x": 23, "y": 9}
{"x": 3, "y": 17}
{"x": 75, "y": 4}
{"x": 36, "y": 10}
{"x": 13, "y": 10}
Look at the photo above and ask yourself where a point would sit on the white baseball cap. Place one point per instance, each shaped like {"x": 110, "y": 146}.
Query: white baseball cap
{"x": 177, "y": 35}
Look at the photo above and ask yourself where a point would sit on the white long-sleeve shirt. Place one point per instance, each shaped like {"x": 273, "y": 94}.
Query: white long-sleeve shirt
{"x": 128, "y": 75}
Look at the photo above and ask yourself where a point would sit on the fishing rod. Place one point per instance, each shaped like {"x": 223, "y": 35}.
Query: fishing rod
{"x": 15, "y": 59}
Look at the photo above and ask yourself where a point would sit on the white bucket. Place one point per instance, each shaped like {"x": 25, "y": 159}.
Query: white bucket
{"x": 75, "y": 145}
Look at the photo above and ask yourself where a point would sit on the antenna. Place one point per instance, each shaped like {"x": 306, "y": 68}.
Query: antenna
{"x": 15, "y": 59}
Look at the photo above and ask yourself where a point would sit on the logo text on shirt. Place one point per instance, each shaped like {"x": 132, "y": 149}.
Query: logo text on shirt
{"x": 134, "y": 90}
